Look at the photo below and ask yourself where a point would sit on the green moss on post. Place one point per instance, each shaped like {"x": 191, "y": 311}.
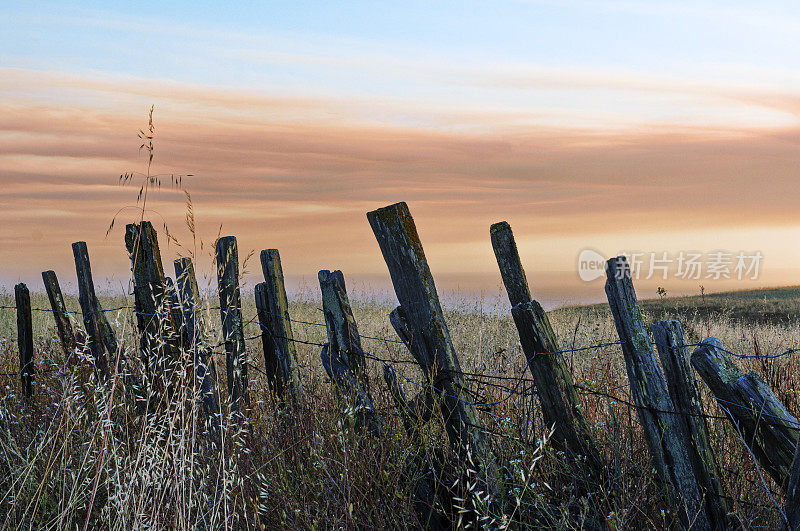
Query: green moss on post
{"x": 667, "y": 437}
{"x": 686, "y": 396}
{"x": 280, "y": 354}
{"x": 554, "y": 385}
{"x": 765, "y": 423}
{"x": 413, "y": 283}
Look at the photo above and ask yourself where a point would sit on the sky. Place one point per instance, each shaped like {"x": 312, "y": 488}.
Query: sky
{"x": 617, "y": 126}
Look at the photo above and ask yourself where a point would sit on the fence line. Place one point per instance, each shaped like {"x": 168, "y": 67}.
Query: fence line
{"x": 513, "y": 391}
{"x": 786, "y": 352}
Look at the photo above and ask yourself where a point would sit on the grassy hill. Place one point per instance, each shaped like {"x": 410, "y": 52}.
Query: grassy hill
{"x": 765, "y": 305}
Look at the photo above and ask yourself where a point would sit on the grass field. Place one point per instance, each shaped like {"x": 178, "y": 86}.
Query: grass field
{"x": 304, "y": 466}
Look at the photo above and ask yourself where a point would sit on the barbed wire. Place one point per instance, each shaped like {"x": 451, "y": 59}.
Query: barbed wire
{"x": 480, "y": 378}
{"x": 786, "y": 352}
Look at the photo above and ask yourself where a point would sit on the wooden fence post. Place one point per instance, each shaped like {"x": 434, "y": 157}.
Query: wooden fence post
{"x": 414, "y": 414}
{"x": 159, "y": 348}
{"x": 273, "y": 299}
{"x": 63, "y": 325}
{"x": 230, "y": 302}
{"x": 277, "y": 365}
{"x": 666, "y": 436}
{"x": 400, "y": 245}
{"x": 686, "y": 397}
{"x": 340, "y": 323}
{"x": 90, "y": 307}
{"x": 763, "y": 421}
{"x": 24, "y": 338}
{"x": 205, "y": 370}
{"x": 175, "y": 310}
{"x": 343, "y": 353}
{"x": 554, "y": 385}
{"x": 420, "y": 408}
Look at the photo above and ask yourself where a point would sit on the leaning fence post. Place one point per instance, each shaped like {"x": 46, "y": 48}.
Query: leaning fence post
{"x": 24, "y": 338}
{"x": 414, "y": 413}
{"x": 90, "y": 307}
{"x": 343, "y": 352}
{"x": 764, "y": 422}
{"x": 554, "y": 385}
{"x": 666, "y": 436}
{"x": 230, "y": 302}
{"x": 400, "y": 245}
{"x": 63, "y": 325}
{"x": 279, "y": 326}
{"x": 205, "y": 370}
{"x": 685, "y": 393}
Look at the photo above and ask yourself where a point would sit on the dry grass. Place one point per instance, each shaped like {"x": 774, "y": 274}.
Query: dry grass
{"x": 304, "y": 466}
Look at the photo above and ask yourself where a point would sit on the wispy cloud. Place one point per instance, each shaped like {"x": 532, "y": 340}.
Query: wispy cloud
{"x": 304, "y": 185}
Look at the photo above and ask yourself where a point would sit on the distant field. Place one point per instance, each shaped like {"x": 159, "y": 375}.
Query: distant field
{"x": 766, "y": 305}
{"x": 304, "y": 469}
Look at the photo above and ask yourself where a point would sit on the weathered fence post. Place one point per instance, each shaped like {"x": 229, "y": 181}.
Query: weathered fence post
{"x": 205, "y": 370}
{"x": 230, "y": 302}
{"x": 343, "y": 353}
{"x": 419, "y": 409}
{"x": 24, "y": 338}
{"x": 763, "y": 421}
{"x": 63, "y": 325}
{"x": 90, "y": 307}
{"x": 155, "y": 322}
{"x": 418, "y": 471}
{"x": 415, "y": 412}
{"x": 400, "y": 245}
{"x": 275, "y": 305}
{"x": 554, "y": 385}
{"x": 340, "y": 323}
{"x": 277, "y": 365}
{"x": 175, "y": 310}
{"x": 667, "y": 438}
{"x": 683, "y": 389}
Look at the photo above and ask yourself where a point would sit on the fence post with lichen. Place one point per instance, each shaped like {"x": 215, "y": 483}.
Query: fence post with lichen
{"x": 342, "y": 357}
{"x": 414, "y": 287}
{"x": 768, "y": 428}
{"x": 554, "y": 386}
{"x": 159, "y": 341}
{"x": 686, "y": 396}
{"x": 667, "y": 438}
{"x": 280, "y": 354}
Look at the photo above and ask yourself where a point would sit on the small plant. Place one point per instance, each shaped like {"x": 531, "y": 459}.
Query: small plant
{"x": 662, "y": 295}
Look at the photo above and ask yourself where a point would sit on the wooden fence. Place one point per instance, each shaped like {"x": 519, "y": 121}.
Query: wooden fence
{"x": 665, "y": 395}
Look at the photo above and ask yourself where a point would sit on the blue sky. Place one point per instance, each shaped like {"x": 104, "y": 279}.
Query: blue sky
{"x": 168, "y": 39}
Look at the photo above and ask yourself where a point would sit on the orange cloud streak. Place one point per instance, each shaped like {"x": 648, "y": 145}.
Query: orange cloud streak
{"x": 299, "y": 174}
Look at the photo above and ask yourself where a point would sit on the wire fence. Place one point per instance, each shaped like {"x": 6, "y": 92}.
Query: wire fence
{"x": 510, "y": 386}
